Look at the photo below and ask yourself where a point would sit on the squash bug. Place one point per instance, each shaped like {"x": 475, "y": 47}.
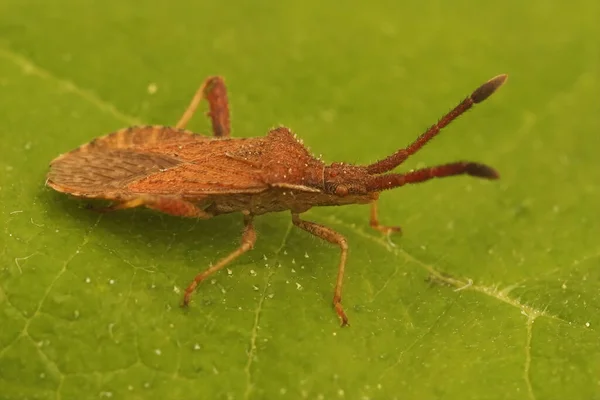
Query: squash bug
{"x": 178, "y": 172}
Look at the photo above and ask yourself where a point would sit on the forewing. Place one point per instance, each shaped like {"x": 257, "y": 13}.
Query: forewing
{"x": 106, "y": 165}
{"x": 106, "y": 173}
{"x": 153, "y": 160}
{"x": 217, "y": 174}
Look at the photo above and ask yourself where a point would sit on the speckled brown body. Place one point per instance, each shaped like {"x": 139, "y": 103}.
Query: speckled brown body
{"x": 220, "y": 175}
{"x": 175, "y": 171}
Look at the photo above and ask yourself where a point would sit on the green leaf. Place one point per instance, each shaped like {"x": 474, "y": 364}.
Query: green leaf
{"x": 492, "y": 292}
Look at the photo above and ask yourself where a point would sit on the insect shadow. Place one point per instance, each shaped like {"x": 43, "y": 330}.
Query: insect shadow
{"x": 150, "y": 227}
{"x": 160, "y": 235}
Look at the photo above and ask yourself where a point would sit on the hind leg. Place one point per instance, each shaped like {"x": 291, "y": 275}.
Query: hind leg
{"x": 215, "y": 92}
{"x": 168, "y": 205}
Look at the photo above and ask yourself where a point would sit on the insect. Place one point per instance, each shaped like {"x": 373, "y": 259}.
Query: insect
{"x": 177, "y": 172}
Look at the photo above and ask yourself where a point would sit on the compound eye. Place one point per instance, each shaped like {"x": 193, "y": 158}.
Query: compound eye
{"x": 341, "y": 190}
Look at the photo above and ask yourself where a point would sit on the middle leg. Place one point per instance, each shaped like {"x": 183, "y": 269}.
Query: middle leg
{"x": 248, "y": 240}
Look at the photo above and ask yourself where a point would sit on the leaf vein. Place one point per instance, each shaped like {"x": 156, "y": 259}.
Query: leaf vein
{"x": 31, "y": 68}
{"x": 252, "y": 349}
{"x": 458, "y": 284}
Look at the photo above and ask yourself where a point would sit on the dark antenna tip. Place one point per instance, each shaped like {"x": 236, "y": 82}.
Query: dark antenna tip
{"x": 482, "y": 171}
{"x": 484, "y": 91}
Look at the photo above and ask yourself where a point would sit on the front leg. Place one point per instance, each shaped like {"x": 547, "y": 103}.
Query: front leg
{"x": 374, "y": 221}
{"x": 331, "y": 236}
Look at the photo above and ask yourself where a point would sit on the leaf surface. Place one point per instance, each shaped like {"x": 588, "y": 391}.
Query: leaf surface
{"x": 492, "y": 292}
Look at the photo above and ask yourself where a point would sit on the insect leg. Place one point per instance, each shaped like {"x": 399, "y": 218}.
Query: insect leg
{"x": 331, "y": 236}
{"x": 215, "y": 92}
{"x": 167, "y": 205}
{"x": 374, "y": 222}
{"x": 248, "y": 240}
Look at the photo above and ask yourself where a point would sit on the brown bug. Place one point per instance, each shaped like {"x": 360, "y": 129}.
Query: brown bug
{"x": 180, "y": 173}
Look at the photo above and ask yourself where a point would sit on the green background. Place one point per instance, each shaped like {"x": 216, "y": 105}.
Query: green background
{"x": 491, "y": 293}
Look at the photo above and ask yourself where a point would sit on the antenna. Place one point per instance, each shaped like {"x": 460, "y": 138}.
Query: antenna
{"x": 480, "y": 94}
